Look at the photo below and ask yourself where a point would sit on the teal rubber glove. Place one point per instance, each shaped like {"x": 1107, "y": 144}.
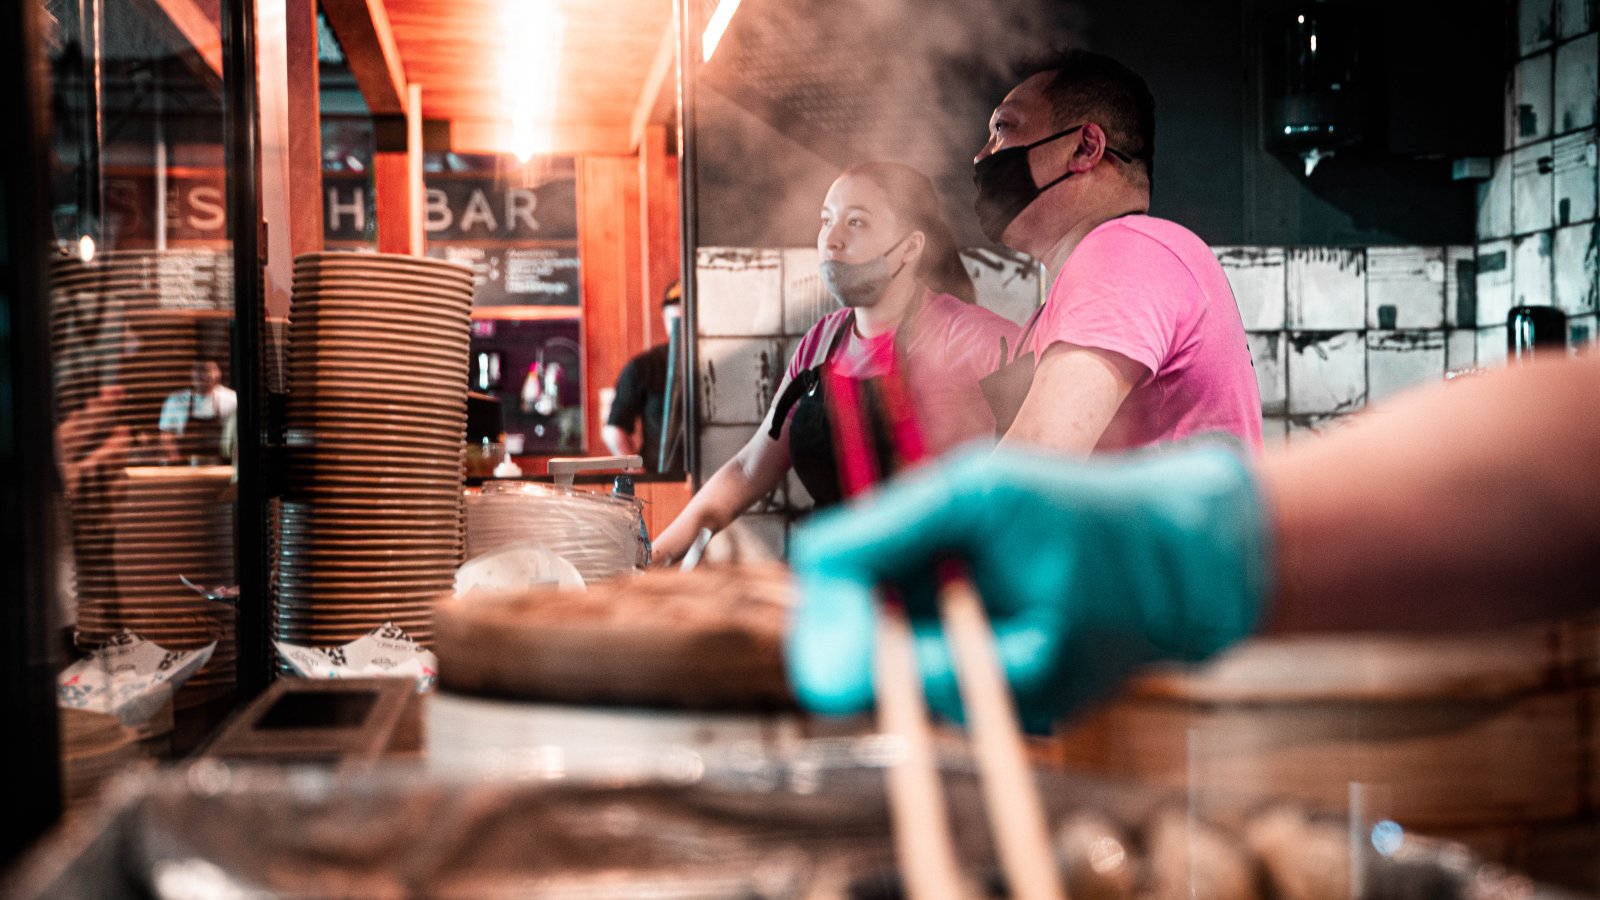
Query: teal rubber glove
{"x": 1089, "y": 570}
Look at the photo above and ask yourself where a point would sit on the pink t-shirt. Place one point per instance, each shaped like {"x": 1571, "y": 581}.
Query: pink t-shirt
{"x": 948, "y": 346}
{"x": 1152, "y": 291}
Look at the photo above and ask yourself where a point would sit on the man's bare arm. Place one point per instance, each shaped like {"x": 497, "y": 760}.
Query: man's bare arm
{"x": 1075, "y": 392}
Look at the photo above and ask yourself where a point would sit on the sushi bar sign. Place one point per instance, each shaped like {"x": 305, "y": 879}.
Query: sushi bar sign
{"x": 461, "y": 208}
{"x": 473, "y": 208}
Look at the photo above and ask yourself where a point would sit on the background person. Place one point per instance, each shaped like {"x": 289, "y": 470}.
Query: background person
{"x": 889, "y": 258}
{"x": 194, "y": 419}
{"x": 1140, "y": 340}
{"x": 639, "y": 406}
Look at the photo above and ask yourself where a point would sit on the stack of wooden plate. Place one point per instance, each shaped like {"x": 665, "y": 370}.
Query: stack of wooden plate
{"x": 371, "y": 525}
{"x": 164, "y": 524}
{"x": 127, "y": 329}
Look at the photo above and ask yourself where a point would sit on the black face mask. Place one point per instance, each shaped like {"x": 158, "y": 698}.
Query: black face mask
{"x": 1005, "y": 184}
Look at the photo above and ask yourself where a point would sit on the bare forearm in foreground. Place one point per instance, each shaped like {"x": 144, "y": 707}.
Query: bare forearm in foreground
{"x": 1468, "y": 505}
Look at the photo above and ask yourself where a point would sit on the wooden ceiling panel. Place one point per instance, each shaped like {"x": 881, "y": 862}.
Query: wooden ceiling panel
{"x": 454, "y": 49}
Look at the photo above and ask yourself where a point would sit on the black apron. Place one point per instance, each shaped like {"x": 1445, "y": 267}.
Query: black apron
{"x": 202, "y": 438}
{"x": 1005, "y": 388}
{"x": 810, "y": 435}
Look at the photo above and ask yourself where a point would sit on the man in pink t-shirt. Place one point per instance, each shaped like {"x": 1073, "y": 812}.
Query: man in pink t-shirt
{"x": 1140, "y": 340}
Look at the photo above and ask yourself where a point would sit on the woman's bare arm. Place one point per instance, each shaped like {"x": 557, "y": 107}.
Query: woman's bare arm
{"x": 754, "y": 472}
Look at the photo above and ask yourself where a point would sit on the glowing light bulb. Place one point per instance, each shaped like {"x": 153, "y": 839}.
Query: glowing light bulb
{"x": 86, "y": 248}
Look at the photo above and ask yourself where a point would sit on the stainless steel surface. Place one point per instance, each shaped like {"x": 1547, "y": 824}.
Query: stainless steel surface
{"x": 742, "y": 820}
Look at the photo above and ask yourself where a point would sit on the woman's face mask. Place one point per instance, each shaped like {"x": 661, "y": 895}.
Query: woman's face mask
{"x": 863, "y": 283}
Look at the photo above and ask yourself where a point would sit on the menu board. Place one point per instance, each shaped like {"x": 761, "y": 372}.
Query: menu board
{"x": 516, "y": 276}
{"x": 521, "y": 240}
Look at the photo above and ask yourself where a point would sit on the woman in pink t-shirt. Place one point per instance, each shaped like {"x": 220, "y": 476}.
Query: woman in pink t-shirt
{"x": 891, "y": 261}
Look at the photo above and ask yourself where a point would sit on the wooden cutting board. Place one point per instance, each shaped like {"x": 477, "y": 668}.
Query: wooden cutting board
{"x": 707, "y": 639}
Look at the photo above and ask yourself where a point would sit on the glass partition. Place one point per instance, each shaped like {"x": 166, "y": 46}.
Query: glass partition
{"x": 146, "y": 382}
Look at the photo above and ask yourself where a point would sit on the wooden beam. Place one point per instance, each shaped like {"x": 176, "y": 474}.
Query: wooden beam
{"x": 567, "y": 138}
{"x": 305, "y": 128}
{"x": 416, "y": 191}
{"x": 391, "y": 182}
{"x": 196, "y": 28}
{"x": 659, "y": 256}
{"x": 362, "y": 27}
{"x": 645, "y": 110}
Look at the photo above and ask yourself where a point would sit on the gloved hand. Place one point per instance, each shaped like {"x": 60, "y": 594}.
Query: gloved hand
{"x": 1088, "y": 571}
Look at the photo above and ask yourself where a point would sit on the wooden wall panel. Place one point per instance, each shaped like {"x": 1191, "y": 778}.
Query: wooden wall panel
{"x": 608, "y": 237}
{"x": 659, "y": 223}
{"x": 628, "y": 242}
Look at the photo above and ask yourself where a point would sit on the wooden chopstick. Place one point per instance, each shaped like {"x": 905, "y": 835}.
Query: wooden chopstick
{"x": 1011, "y": 799}
{"x": 1016, "y": 815}
{"x": 922, "y": 842}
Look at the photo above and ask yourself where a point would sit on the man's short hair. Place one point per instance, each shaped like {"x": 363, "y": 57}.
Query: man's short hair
{"x": 1089, "y": 87}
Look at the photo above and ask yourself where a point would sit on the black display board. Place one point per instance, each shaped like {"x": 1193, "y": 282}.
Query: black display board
{"x": 519, "y": 233}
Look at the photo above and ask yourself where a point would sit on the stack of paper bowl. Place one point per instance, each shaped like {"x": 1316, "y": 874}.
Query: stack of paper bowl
{"x": 370, "y": 527}
{"x": 164, "y": 525}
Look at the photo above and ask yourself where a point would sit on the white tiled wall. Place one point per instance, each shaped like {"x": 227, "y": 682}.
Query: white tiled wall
{"x": 1327, "y": 372}
{"x": 1535, "y": 25}
{"x": 1269, "y": 354}
{"x": 1576, "y": 84}
{"x": 1326, "y": 288}
{"x": 1576, "y": 280}
{"x": 1257, "y": 275}
{"x": 1551, "y": 259}
{"x": 741, "y": 292}
{"x": 1574, "y": 17}
{"x": 1533, "y": 188}
{"x": 1574, "y": 175}
{"x": 1334, "y": 329}
{"x": 1397, "y": 360}
{"x": 1405, "y": 287}
{"x": 1493, "y": 282}
{"x": 1528, "y": 116}
{"x": 1494, "y": 202}
{"x": 738, "y": 377}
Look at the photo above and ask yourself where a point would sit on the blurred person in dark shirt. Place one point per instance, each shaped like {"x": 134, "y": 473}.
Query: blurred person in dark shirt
{"x": 638, "y": 411}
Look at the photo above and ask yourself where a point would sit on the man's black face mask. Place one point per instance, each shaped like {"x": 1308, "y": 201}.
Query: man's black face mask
{"x": 1005, "y": 184}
